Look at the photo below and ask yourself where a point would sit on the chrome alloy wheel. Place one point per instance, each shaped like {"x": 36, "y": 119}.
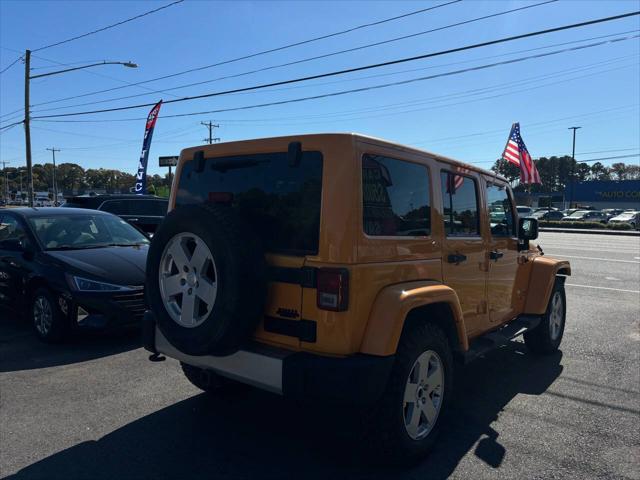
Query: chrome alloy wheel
{"x": 423, "y": 395}
{"x": 42, "y": 315}
{"x": 188, "y": 279}
{"x": 556, "y": 317}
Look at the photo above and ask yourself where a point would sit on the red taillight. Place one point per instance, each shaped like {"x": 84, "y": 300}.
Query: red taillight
{"x": 333, "y": 289}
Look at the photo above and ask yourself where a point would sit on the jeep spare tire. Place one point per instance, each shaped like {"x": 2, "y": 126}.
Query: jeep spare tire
{"x": 206, "y": 280}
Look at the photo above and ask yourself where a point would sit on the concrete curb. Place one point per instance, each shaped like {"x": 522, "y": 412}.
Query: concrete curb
{"x": 628, "y": 233}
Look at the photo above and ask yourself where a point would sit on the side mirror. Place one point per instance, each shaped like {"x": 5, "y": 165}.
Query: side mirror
{"x": 528, "y": 228}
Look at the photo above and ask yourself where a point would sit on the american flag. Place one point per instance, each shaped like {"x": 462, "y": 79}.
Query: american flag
{"x": 516, "y": 152}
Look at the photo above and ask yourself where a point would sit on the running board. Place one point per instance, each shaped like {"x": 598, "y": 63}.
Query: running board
{"x": 498, "y": 338}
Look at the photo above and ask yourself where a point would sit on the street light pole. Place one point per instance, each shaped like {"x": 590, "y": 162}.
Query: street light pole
{"x": 573, "y": 163}
{"x": 53, "y": 150}
{"x": 27, "y": 130}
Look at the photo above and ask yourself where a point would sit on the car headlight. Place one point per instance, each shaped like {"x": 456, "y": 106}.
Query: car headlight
{"x": 86, "y": 285}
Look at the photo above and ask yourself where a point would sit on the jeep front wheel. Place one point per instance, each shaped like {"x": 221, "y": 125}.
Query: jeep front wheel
{"x": 546, "y": 337}
{"x": 408, "y": 418}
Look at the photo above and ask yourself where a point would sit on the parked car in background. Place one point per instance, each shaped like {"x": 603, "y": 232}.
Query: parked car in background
{"x": 586, "y": 216}
{"x": 71, "y": 268}
{"x": 612, "y": 212}
{"x": 524, "y": 211}
{"x": 42, "y": 202}
{"x": 144, "y": 211}
{"x": 548, "y": 215}
{"x": 632, "y": 218}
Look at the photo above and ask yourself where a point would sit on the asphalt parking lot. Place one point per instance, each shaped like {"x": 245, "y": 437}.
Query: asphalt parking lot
{"x": 97, "y": 408}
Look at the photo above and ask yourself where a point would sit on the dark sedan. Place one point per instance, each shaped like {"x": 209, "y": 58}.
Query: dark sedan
{"x": 71, "y": 268}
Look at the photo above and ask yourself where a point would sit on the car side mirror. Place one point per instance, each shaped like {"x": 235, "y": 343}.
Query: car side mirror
{"x": 528, "y": 229}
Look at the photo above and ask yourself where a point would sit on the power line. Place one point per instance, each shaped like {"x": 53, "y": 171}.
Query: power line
{"x": 11, "y": 64}
{"x": 263, "y": 52}
{"x": 409, "y": 102}
{"x": 352, "y": 79}
{"x": 108, "y": 26}
{"x": 366, "y": 67}
{"x": 608, "y": 158}
{"x": 309, "y": 59}
{"x": 345, "y": 92}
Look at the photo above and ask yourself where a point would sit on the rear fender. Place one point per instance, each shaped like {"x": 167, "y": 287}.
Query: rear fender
{"x": 543, "y": 276}
{"x": 395, "y": 302}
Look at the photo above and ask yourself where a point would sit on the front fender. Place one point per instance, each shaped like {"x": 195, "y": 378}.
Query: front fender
{"x": 393, "y": 304}
{"x": 541, "y": 281}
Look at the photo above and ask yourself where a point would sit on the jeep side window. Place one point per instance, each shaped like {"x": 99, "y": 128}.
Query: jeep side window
{"x": 460, "y": 203}
{"x": 395, "y": 197}
{"x": 500, "y": 211}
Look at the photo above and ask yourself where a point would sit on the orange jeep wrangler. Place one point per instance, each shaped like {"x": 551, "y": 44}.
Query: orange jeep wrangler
{"x": 348, "y": 268}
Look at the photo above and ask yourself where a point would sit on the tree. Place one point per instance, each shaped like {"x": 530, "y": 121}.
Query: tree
{"x": 582, "y": 172}
{"x": 619, "y": 170}
{"x": 599, "y": 172}
{"x": 506, "y": 169}
{"x": 70, "y": 176}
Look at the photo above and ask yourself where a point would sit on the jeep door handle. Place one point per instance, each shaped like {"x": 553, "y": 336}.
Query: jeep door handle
{"x": 456, "y": 258}
{"x": 495, "y": 255}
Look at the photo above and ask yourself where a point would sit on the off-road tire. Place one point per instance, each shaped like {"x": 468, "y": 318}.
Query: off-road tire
{"x": 241, "y": 279}
{"x": 59, "y": 326}
{"x": 210, "y": 382}
{"x": 540, "y": 340}
{"x": 385, "y": 424}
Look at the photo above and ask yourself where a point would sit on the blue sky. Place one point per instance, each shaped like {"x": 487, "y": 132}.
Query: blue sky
{"x": 465, "y": 116}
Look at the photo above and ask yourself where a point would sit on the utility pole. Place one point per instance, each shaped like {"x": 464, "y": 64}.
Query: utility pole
{"x": 573, "y": 163}
{"x": 6, "y": 179}
{"x": 53, "y": 150}
{"x": 27, "y": 128}
{"x": 210, "y": 126}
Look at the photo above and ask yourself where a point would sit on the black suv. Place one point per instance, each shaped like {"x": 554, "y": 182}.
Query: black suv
{"x": 144, "y": 211}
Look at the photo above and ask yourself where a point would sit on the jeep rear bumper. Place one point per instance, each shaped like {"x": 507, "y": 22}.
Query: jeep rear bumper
{"x": 355, "y": 379}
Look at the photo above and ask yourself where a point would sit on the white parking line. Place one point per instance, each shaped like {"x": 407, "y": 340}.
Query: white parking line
{"x": 602, "y": 288}
{"x": 595, "y": 258}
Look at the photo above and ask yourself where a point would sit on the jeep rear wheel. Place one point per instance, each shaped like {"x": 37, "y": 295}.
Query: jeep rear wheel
{"x": 408, "y": 418}
{"x": 206, "y": 281}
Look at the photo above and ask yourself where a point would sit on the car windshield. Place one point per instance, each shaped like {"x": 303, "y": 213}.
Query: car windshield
{"x": 74, "y": 232}
{"x": 579, "y": 214}
{"x": 626, "y": 215}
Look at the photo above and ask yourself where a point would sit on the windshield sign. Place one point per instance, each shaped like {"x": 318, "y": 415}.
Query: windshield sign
{"x": 73, "y": 232}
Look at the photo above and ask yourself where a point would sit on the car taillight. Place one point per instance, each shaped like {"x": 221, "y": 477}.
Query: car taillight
{"x": 333, "y": 289}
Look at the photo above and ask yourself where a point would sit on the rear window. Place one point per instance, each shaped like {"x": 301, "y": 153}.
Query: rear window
{"x": 153, "y": 208}
{"x": 280, "y": 202}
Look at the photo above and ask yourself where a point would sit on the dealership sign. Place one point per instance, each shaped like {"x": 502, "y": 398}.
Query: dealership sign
{"x": 608, "y": 191}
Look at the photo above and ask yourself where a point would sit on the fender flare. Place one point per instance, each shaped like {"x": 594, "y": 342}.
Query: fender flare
{"x": 541, "y": 280}
{"x": 393, "y": 304}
